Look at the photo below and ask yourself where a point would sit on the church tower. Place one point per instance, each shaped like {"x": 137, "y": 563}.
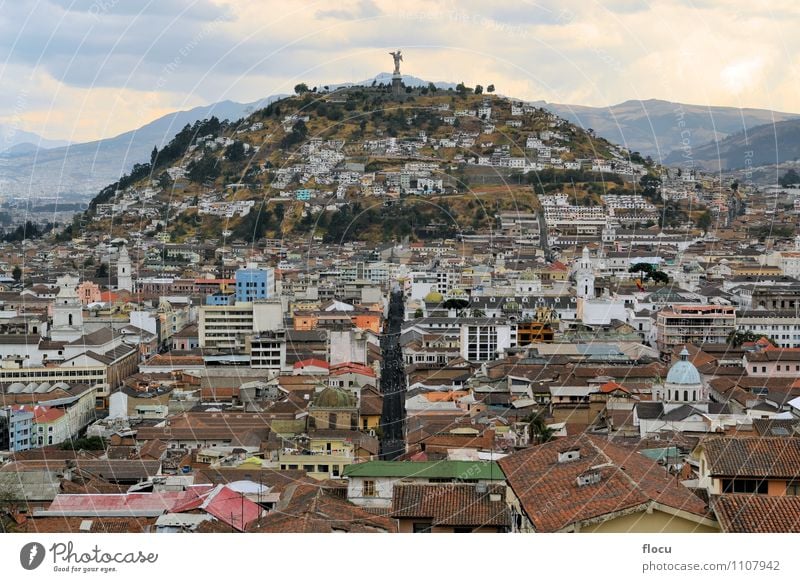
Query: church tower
{"x": 124, "y": 277}
{"x": 67, "y": 311}
{"x": 584, "y": 276}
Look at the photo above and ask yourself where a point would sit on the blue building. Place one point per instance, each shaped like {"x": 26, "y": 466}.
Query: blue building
{"x": 253, "y": 283}
{"x": 16, "y": 429}
{"x": 220, "y": 299}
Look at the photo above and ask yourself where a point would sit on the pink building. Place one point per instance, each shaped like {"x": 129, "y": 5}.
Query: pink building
{"x": 89, "y": 292}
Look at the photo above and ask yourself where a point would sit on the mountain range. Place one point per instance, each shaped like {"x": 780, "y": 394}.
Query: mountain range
{"x": 12, "y": 138}
{"x": 763, "y": 145}
{"x": 663, "y": 129}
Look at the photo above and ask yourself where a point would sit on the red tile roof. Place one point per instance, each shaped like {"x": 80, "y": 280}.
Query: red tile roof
{"x": 729, "y": 456}
{"x": 43, "y": 414}
{"x": 310, "y": 509}
{"x": 447, "y": 504}
{"x": 553, "y": 500}
{"x": 351, "y": 367}
{"x": 758, "y": 514}
{"x": 311, "y": 362}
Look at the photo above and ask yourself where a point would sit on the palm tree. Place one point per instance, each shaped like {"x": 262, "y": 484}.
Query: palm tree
{"x": 540, "y": 432}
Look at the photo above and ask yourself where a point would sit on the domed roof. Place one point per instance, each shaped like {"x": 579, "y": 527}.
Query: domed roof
{"x": 334, "y": 398}
{"x": 434, "y": 297}
{"x": 683, "y": 371}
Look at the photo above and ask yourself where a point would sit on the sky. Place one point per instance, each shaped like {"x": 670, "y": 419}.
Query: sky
{"x": 87, "y": 69}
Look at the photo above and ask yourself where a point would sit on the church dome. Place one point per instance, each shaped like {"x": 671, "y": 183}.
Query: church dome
{"x": 434, "y": 297}
{"x": 683, "y": 371}
{"x": 334, "y": 398}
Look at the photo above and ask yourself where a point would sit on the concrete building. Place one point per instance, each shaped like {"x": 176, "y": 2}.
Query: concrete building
{"x": 696, "y": 324}
{"x": 254, "y": 283}
{"x": 16, "y": 429}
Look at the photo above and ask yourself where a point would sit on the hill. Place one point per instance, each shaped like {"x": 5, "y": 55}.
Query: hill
{"x": 359, "y": 163}
{"x": 767, "y": 144}
{"x": 658, "y": 128}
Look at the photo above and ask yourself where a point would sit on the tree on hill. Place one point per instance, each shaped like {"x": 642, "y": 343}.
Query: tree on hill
{"x": 789, "y": 179}
{"x": 17, "y": 273}
{"x": 297, "y": 135}
{"x": 235, "y": 152}
{"x": 204, "y": 169}
{"x": 300, "y": 88}
{"x": 478, "y": 90}
{"x": 651, "y": 186}
{"x": 704, "y": 221}
{"x": 490, "y": 88}
{"x": 461, "y": 89}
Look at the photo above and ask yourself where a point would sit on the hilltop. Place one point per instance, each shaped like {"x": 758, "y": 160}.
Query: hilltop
{"x": 358, "y": 163}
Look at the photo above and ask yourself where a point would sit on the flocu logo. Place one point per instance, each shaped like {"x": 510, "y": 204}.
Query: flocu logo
{"x": 31, "y": 555}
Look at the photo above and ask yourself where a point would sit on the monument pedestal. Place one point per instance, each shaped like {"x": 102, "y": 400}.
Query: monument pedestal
{"x": 397, "y": 85}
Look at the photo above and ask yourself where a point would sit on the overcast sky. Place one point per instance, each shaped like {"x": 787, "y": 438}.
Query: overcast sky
{"x": 87, "y": 69}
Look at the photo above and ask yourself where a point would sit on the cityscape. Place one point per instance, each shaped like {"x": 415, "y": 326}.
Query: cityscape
{"x": 405, "y": 306}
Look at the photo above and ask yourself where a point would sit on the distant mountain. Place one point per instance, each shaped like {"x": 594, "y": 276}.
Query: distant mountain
{"x": 11, "y": 137}
{"x": 768, "y": 144}
{"x": 658, "y": 128}
{"x": 78, "y": 171}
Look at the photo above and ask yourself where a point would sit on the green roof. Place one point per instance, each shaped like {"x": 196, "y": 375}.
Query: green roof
{"x": 661, "y": 454}
{"x": 460, "y": 470}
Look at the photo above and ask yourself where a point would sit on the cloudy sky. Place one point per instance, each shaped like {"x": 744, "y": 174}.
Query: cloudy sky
{"x": 86, "y": 69}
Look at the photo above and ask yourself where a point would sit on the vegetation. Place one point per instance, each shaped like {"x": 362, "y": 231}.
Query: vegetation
{"x": 790, "y": 178}
{"x": 540, "y": 433}
{"x": 86, "y": 444}
{"x": 649, "y": 272}
{"x": 736, "y": 338}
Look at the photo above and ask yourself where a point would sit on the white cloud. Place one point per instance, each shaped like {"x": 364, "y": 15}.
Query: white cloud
{"x": 83, "y": 70}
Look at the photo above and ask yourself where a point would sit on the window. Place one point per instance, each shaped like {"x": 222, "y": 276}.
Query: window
{"x": 793, "y": 488}
{"x": 422, "y": 527}
{"x": 744, "y": 486}
{"x": 308, "y": 468}
{"x": 369, "y": 488}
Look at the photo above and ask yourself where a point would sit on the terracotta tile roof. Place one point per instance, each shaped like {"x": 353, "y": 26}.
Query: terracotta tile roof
{"x": 42, "y": 414}
{"x": 758, "y": 514}
{"x": 311, "y": 362}
{"x": 452, "y": 505}
{"x": 760, "y": 456}
{"x": 95, "y": 525}
{"x": 553, "y": 500}
{"x": 310, "y": 509}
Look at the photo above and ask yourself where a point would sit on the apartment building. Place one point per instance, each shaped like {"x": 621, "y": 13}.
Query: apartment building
{"x": 693, "y": 324}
